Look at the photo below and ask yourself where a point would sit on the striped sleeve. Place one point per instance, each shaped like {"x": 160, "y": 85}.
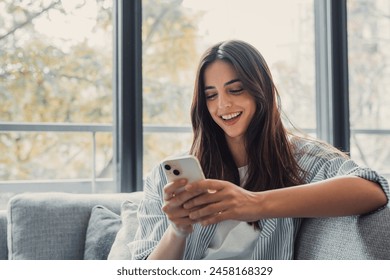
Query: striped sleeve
{"x": 153, "y": 221}
{"x": 321, "y": 163}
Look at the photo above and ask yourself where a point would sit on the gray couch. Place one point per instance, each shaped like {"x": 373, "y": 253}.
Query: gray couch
{"x": 98, "y": 226}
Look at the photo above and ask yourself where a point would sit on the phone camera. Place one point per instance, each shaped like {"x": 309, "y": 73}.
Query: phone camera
{"x": 176, "y": 172}
{"x": 167, "y": 167}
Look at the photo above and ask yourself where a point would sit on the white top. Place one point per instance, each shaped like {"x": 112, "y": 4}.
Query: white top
{"x": 233, "y": 239}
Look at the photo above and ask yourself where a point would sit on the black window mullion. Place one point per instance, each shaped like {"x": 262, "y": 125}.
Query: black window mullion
{"x": 332, "y": 73}
{"x": 128, "y": 92}
{"x": 341, "y": 135}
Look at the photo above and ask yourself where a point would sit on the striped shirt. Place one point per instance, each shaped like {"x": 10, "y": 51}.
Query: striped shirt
{"x": 277, "y": 236}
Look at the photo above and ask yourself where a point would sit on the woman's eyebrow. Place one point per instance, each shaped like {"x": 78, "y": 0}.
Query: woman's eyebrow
{"x": 209, "y": 87}
{"x": 231, "y": 82}
{"x": 225, "y": 84}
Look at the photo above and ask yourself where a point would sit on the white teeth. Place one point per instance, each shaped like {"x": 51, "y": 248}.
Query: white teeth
{"x": 230, "y": 116}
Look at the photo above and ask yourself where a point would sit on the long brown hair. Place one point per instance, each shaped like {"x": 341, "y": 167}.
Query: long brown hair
{"x": 270, "y": 154}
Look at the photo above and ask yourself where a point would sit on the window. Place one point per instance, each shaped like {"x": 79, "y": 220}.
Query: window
{"x": 56, "y": 94}
{"x": 369, "y": 72}
{"x": 62, "y": 128}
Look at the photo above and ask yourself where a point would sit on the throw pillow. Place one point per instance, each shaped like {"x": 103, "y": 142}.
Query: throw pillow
{"x": 120, "y": 250}
{"x": 102, "y": 228}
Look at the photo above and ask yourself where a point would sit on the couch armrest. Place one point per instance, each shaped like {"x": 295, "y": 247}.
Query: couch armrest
{"x": 354, "y": 237}
{"x": 54, "y": 225}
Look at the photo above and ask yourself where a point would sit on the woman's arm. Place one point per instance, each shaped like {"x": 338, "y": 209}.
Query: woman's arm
{"x": 172, "y": 243}
{"x": 338, "y": 196}
{"x": 155, "y": 233}
{"x": 170, "y": 247}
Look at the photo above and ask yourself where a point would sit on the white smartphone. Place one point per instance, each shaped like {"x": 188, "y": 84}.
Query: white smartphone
{"x": 187, "y": 167}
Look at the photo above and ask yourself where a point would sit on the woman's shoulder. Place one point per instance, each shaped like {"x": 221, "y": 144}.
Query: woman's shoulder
{"x": 314, "y": 147}
{"x": 301, "y": 144}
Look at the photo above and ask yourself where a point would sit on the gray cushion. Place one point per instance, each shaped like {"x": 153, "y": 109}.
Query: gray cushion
{"x": 120, "y": 250}
{"x": 53, "y": 225}
{"x": 353, "y": 238}
{"x": 102, "y": 229}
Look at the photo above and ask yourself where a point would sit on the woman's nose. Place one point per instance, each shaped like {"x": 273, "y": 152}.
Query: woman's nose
{"x": 224, "y": 101}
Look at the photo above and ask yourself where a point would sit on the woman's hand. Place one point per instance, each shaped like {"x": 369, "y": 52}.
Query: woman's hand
{"x": 175, "y": 196}
{"x": 221, "y": 200}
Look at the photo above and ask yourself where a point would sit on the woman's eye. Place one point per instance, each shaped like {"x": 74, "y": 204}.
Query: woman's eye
{"x": 236, "y": 91}
{"x": 211, "y": 96}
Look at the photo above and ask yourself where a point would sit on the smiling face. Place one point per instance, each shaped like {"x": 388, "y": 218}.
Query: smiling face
{"x": 229, "y": 104}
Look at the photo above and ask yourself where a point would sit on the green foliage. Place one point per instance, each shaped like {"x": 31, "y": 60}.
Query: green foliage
{"x": 169, "y": 61}
{"x": 56, "y": 76}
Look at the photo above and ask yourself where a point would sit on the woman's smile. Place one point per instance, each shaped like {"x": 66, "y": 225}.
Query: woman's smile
{"x": 231, "y": 116}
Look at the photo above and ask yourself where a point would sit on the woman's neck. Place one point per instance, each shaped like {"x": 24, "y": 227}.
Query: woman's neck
{"x": 238, "y": 150}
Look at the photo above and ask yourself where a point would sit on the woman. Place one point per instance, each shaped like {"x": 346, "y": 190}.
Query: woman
{"x": 262, "y": 179}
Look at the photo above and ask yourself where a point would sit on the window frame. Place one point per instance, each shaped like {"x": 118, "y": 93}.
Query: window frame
{"x": 128, "y": 148}
{"x": 332, "y": 85}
